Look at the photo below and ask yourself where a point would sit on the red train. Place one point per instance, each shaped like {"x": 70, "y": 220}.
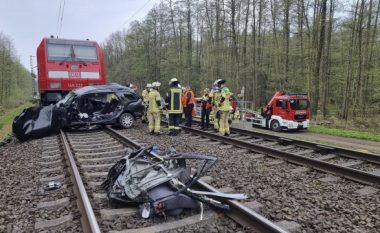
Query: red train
{"x": 64, "y": 65}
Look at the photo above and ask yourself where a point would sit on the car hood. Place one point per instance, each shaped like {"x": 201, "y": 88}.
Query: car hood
{"x": 36, "y": 122}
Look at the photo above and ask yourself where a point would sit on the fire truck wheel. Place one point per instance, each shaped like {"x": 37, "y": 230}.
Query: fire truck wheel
{"x": 275, "y": 126}
{"x": 126, "y": 120}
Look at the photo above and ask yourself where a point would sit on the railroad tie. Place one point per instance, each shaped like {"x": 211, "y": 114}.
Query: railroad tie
{"x": 53, "y": 204}
{"x": 290, "y": 226}
{"x": 109, "y": 214}
{"x": 351, "y": 163}
{"x": 326, "y": 157}
{"x": 45, "y": 224}
{"x": 303, "y": 152}
{"x": 172, "y": 225}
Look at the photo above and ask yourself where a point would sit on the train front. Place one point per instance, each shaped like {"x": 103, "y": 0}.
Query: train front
{"x": 64, "y": 65}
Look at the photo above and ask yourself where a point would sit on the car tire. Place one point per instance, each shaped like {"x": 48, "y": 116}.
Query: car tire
{"x": 126, "y": 120}
{"x": 275, "y": 126}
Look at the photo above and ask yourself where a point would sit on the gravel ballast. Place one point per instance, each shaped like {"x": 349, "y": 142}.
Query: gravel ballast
{"x": 22, "y": 182}
{"x": 306, "y": 196}
{"x": 19, "y": 179}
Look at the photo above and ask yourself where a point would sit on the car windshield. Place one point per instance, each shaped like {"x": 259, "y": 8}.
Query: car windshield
{"x": 72, "y": 52}
{"x": 299, "y": 104}
{"x": 67, "y": 99}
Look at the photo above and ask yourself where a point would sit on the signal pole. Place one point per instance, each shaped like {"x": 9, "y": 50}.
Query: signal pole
{"x": 34, "y": 77}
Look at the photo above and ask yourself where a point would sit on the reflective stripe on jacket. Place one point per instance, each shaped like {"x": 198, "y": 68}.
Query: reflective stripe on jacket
{"x": 215, "y": 95}
{"x": 226, "y": 105}
{"x": 175, "y": 102}
{"x": 153, "y": 97}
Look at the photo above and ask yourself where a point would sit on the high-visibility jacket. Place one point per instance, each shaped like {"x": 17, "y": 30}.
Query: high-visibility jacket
{"x": 174, "y": 100}
{"x": 225, "y": 105}
{"x": 206, "y": 103}
{"x": 184, "y": 98}
{"x": 154, "y": 97}
{"x": 215, "y": 97}
{"x": 145, "y": 95}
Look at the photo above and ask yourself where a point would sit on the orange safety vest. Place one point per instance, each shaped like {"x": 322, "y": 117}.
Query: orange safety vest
{"x": 184, "y": 98}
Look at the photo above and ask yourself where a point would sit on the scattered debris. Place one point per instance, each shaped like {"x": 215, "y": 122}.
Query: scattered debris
{"x": 5, "y": 141}
{"x": 52, "y": 185}
{"x": 161, "y": 186}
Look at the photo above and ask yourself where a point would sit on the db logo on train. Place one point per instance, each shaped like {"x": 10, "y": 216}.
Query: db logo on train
{"x": 74, "y": 74}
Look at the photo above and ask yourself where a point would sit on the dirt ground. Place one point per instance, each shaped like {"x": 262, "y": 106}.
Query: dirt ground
{"x": 348, "y": 143}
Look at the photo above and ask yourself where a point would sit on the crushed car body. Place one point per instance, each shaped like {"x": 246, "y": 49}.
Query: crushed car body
{"x": 161, "y": 185}
{"x": 111, "y": 104}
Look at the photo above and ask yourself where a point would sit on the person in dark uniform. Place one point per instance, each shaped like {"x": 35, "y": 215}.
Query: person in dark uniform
{"x": 173, "y": 104}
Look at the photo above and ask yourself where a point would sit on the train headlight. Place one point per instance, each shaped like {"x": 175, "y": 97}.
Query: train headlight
{"x": 55, "y": 85}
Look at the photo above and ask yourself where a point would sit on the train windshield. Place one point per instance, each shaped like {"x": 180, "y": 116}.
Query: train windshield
{"x": 299, "y": 104}
{"x": 64, "y": 51}
{"x": 85, "y": 53}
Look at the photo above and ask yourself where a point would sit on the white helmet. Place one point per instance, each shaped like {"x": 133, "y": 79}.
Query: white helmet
{"x": 148, "y": 85}
{"x": 217, "y": 81}
{"x": 156, "y": 84}
{"x": 173, "y": 80}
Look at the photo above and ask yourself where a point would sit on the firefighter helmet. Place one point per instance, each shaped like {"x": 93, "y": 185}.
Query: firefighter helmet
{"x": 217, "y": 81}
{"x": 173, "y": 80}
{"x": 156, "y": 84}
{"x": 148, "y": 85}
{"x": 221, "y": 81}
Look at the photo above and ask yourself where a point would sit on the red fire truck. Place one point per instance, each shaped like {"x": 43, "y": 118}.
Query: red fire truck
{"x": 65, "y": 64}
{"x": 287, "y": 111}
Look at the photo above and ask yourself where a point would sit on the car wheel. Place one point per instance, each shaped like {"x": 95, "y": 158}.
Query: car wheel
{"x": 126, "y": 120}
{"x": 275, "y": 126}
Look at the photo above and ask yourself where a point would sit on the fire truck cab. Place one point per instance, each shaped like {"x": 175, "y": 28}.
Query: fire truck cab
{"x": 285, "y": 111}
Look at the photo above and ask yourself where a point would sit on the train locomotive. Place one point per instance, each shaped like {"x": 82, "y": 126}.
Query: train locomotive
{"x": 66, "y": 64}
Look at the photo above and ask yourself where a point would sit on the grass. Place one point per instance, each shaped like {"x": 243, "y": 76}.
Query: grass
{"x": 7, "y": 119}
{"x": 345, "y": 133}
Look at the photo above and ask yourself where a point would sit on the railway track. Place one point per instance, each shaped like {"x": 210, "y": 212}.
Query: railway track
{"x": 90, "y": 155}
{"x": 357, "y": 166}
{"x": 57, "y": 206}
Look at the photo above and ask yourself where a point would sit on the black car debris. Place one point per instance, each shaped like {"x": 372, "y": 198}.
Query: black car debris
{"x": 111, "y": 104}
{"x": 161, "y": 185}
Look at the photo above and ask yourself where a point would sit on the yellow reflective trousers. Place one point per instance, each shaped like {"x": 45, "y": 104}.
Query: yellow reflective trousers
{"x": 224, "y": 126}
{"x": 154, "y": 119}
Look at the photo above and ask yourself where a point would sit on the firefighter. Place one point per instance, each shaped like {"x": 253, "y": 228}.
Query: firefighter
{"x": 215, "y": 96}
{"x": 224, "y": 108}
{"x": 145, "y": 92}
{"x": 154, "y": 117}
{"x": 206, "y": 107}
{"x": 173, "y": 104}
{"x": 188, "y": 102}
{"x": 144, "y": 95}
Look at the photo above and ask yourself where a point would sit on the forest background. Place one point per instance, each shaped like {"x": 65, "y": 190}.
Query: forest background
{"x": 326, "y": 48}
{"x": 16, "y": 83}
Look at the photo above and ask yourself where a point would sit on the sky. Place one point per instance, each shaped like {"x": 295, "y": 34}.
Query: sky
{"x": 28, "y": 21}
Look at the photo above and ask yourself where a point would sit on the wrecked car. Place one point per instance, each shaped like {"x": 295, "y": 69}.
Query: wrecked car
{"x": 111, "y": 104}
{"x": 161, "y": 185}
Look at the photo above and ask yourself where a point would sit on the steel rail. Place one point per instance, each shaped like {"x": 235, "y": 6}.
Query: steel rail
{"x": 88, "y": 219}
{"x": 238, "y": 212}
{"x": 370, "y": 157}
{"x": 374, "y": 158}
{"x": 349, "y": 173}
